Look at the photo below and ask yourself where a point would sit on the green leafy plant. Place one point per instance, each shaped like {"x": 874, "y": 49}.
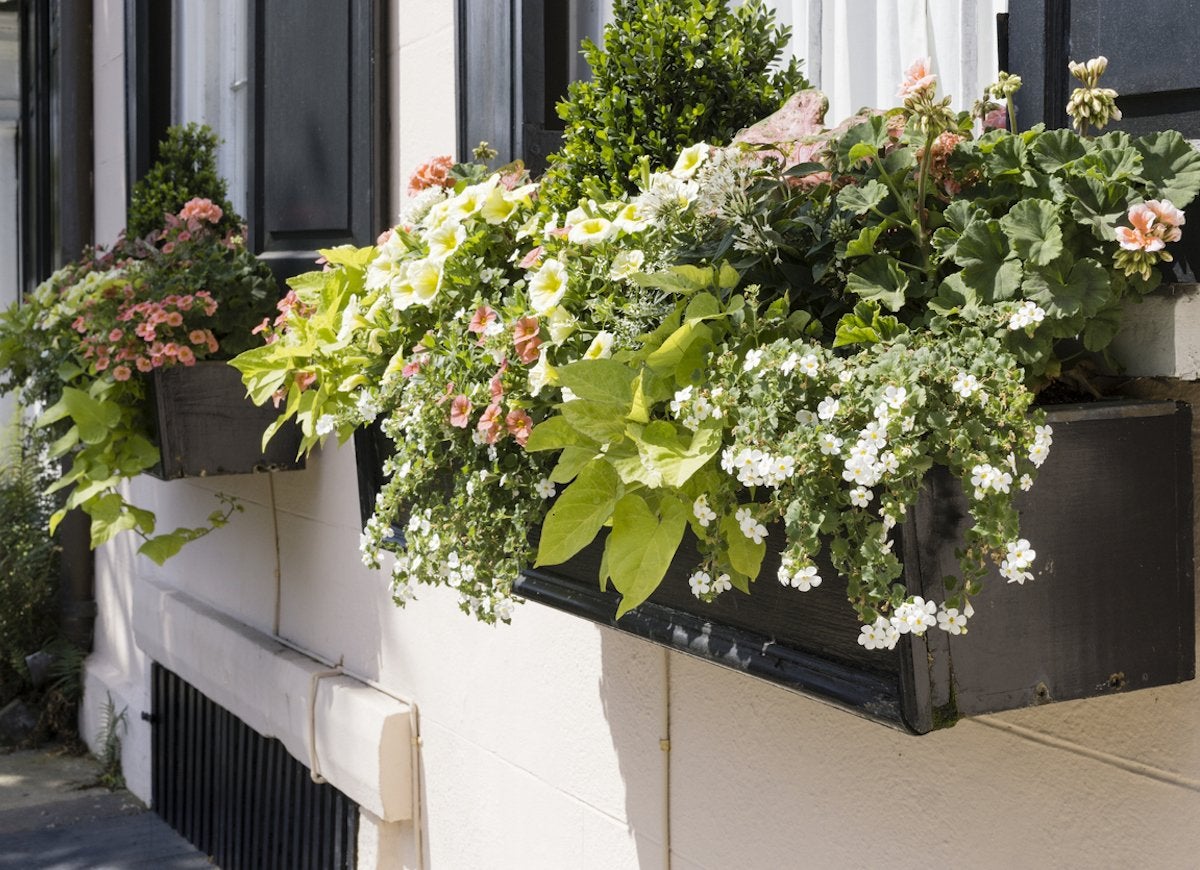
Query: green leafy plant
{"x": 751, "y": 341}
{"x": 112, "y": 726}
{"x": 28, "y": 563}
{"x": 81, "y": 352}
{"x": 185, "y": 168}
{"x": 670, "y": 73}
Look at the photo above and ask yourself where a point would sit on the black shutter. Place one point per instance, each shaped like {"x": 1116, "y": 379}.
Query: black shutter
{"x": 317, "y": 174}
{"x": 149, "y": 83}
{"x": 515, "y": 60}
{"x": 1153, "y": 51}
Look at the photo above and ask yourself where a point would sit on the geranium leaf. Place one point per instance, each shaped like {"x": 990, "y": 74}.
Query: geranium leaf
{"x": 1081, "y": 290}
{"x": 641, "y": 546}
{"x": 1033, "y": 231}
{"x": 863, "y": 245}
{"x": 880, "y": 278}
{"x": 1170, "y": 165}
{"x": 860, "y": 200}
{"x": 579, "y": 513}
{"x": 1056, "y": 149}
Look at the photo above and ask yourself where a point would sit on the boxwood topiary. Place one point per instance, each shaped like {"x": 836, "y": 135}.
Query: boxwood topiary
{"x": 670, "y": 73}
{"x": 186, "y": 168}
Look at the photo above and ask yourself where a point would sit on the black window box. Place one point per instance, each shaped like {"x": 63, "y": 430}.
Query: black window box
{"x": 1111, "y": 608}
{"x": 206, "y": 425}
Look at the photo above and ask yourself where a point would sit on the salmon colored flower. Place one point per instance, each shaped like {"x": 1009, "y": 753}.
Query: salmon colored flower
{"x": 490, "y": 424}
{"x": 121, "y": 373}
{"x": 918, "y": 79}
{"x": 526, "y": 339}
{"x": 433, "y": 173}
{"x": 532, "y": 258}
{"x": 198, "y": 336}
{"x": 186, "y": 356}
{"x": 496, "y": 385}
{"x": 201, "y": 209}
{"x": 143, "y": 364}
{"x": 1142, "y": 235}
{"x": 304, "y": 380}
{"x": 484, "y": 317}
{"x": 460, "y": 412}
{"x": 519, "y": 425}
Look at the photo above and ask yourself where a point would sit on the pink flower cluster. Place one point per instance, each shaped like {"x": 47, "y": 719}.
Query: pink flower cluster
{"x": 432, "y": 173}
{"x": 493, "y": 423}
{"x": 919, "y": 80}
{"x": 201, "y": 209}
{"x": 1154, "y": 223}
{"x": 271, "y": 330}
{"x": 151, "y": 334}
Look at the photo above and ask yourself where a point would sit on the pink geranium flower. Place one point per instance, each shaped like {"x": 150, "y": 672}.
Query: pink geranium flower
{"x": 526, "y": 339}
{"x": 433, "y": 173}
{"x": 1143, "y": 235}
{"x": 460, "y": 412}
{"x": 917, "y": 78}
{"x": 201, "y": 209}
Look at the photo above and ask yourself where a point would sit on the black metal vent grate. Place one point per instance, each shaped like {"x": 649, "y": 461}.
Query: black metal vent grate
{"x": 239, "y": 796}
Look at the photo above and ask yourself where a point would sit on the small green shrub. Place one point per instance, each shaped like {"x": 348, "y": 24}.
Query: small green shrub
{"x": 670, "y": 73}
{"x": 186, "y": 167}
{"x": 28, "y": 567}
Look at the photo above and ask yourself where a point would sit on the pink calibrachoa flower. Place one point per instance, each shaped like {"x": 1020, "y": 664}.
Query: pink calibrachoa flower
{"x": 121, "y": 373}
{"x": 460, "y": 412}
{"x": 186, "y": 356}
{"x": 519, "y": 425}
{"x": 433, "y": 173}
{"x": 199, "y": 336}
{"x": 530, "y": 260}
{"x": 917, "y": 78}
{"x": 414, "y": 365}
{"x": 382, "y": 238}
{"x": 170, "y": 349}
{"x": 484, "y": 316}
{"x": 101, "y": 364}
{"x": 174, "y": 318}
{"x": 115, "y": 334}
{"x": 143, "y": 364}
{"x": 526, "y": 339}
{"x": 491, "y": 424}
{"x": 201, "y": 209}
{"x": 304, "y": 380}
{"x": 496, "y": 384}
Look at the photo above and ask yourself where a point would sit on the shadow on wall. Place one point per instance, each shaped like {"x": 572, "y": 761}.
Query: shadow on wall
{"x": 634, "y": 692}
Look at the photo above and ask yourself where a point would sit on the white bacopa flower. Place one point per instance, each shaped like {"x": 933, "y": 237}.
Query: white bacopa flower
{"x": 544, "y": 488}
{"x": 591, "y": 231}
{"x": 504, "y": 609}
{"x": 845, "y": 375}
{"x": 915, "y": 615}
{"x": 804, "y": 579}
{"x": 809, "y": 365}
{"x": 861, "y": 497}
{"x": 888, "y": 462}
{"x": 721, "y": 584}
{"x": 879, "y": 635}
{"x": 326, "y": 423}
{"x": 753, "y": 358}
{"x": 1029, "y": 314}
{"x": 626, "y": 264}
{"x": 701, "y": 583}
{"x": 690, "y": 160}
{"x": 806, "y": 417}
{"x": 789, "y": 363}
{"x": 874, "y": 434}
{"x": 895, "y": 397}
{"x": 830, "y": 445}
{"x": 1026, "y": 483}
{"x": 949, "y": 619}
{"x": 547, "y": 287}
{"x": 827, "y": 408}
{"x": 703, "y": 513}
{"x": 964, "y": 384}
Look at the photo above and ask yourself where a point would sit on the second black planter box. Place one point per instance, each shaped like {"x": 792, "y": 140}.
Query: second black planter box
{"x": 1111, "y": 608}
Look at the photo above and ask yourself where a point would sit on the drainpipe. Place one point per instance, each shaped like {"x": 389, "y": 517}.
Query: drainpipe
{"x": 71, "y": 60}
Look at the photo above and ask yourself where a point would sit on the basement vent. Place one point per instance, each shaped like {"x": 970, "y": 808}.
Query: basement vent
{"x": 239, "y": 796}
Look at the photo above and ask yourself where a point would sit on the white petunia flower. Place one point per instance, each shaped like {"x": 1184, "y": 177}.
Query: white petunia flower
{"x": 690, "y": 160}
{"x": 626, "y": 264}
{"x": 548, "y": 286}
{"x": 601, "y": 346}
{"x": 591, "y": 231}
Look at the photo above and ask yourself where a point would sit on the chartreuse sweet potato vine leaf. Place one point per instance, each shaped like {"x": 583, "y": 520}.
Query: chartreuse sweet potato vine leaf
{"x": 641, "y": 545}
{"x": 579, "y": 513}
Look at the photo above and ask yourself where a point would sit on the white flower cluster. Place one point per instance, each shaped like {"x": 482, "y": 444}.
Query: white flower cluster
{"x": 1043, "y": 438}
{"x": 1029, "y": 314}
{"x": 704, "y": 586}
{"x": 965, "y": 385}
{"x": 755, "y": 467}
{"x": 751, "y": 528}
{"x": 1015, "y": 566}
{"x": 985, "y": 477}
{"x": 808, "y": 364}
{"x": 704, "y": 514}
{"x": 802, "y": 577}
{"x": 691, "y": 408}
{"x": 866, "y": 464}
{"x": 916, "y": 616}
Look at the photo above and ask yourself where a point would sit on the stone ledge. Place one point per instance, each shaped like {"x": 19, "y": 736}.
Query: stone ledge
{"x": 1160, "y": 336}
{"x": 363, "y": 736}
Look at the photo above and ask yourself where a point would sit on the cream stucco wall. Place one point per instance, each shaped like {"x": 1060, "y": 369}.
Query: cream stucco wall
{"x": 541, "y": 740}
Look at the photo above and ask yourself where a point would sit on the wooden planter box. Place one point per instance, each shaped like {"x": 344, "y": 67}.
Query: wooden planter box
{"x": 1111, "y": 608}
{"x": 206, "y": 425}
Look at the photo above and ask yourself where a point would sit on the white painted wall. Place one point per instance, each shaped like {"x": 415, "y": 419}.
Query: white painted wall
{"x": 541, "y": 740}
{"x": 10, "y": 237}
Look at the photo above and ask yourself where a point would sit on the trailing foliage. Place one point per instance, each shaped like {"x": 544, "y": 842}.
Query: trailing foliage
{"x": 28, "y": 564}
{"x": 185, "y": 168}
{"x": 669, "y": 73}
